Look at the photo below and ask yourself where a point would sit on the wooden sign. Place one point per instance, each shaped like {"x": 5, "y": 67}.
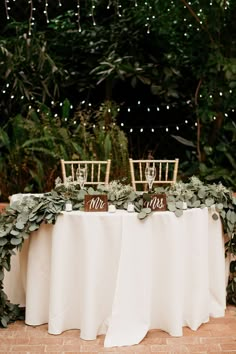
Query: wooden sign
{"x": 156, "y": 203}
{"x": 95, "y": 202}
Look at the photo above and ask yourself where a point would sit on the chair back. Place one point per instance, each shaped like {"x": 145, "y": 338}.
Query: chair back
{"x": 166, "y": 172}
{"x": 98, "y": 172}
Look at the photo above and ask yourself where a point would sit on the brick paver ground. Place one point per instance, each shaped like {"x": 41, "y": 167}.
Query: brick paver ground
{"x": 216, "y": 336}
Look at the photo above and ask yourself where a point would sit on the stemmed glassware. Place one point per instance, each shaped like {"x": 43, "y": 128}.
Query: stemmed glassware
{"x": 150, "y": 174}
{"x": 81, "y": 175}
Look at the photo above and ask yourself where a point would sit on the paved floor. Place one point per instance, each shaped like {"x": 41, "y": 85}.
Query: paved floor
{"x": 216, "y": 336}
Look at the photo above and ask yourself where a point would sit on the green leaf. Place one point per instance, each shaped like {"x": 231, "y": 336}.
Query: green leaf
{"x": 3, "y": 241}
{"x": 209, "y": 202}
{"x": 15, "y": 232}
{"x": 16, "y": 241}
{"x": 19, "y": 225}
{"x": 142, "y": 215}
{"x": 33, "y": 227}
{"x": 219, "y": 206}
{"x": 178, "y": 212}
{"x": 171, "y": 206}
{"x": 147, "y": 210}
{"x": 4, "y": 321}
{"x": 197, "y": 204}
{"x": 179, "y": 204}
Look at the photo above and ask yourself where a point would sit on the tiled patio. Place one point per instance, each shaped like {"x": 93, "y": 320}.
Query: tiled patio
{"x": 217, "y": 336}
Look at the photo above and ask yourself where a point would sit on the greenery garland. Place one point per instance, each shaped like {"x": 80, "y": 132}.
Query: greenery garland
{"x": 26, "y": 215}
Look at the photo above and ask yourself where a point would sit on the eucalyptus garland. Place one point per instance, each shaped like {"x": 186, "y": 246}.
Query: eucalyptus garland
{"x": 24, "y": 216}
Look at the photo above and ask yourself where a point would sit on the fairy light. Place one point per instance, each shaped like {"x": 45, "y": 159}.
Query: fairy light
{"x": 122, "y": 124}
{"x": 131, "y": 130}
{"x": 7, "y": 8}
{"x": 167, "y": 129}
{"x": 128, "y": 109}
{"x": 141, "y": 130}
{"x": 135, "y": 3}
{"x": 109, "y": 5}
{"x": 46, "y": 11}
{"x": 78, "y": 15}
{"x": 92, "y": 13}
{"x": 59, "y": 3}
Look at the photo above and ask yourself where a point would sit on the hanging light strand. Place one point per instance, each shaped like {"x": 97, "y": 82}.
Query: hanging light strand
{"x": 46, "y": 11}
{"x": 30, "y": 17}
{"x": 78, "y": 15}
{"x": 7, "y": 8}
{"x": 92, "y": 12}
{"x": 118, "y": 8}
{"x": 109, "y": 5}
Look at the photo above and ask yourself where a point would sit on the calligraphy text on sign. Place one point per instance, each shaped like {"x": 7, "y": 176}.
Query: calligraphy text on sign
{"x": 157, "y": 202}
{"x": 95, "y": 202}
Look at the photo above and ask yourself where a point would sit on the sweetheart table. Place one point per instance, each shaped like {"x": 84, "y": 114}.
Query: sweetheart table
{"x": 113, "y": 274}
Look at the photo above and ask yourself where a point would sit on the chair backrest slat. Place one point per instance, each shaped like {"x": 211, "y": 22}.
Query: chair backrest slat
{"x": 166, "y": 172}
{"x": 98, "y": 171}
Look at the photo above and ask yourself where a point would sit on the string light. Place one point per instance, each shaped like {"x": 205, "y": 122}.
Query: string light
{"x": 7, "y": 8}
{"x": 46, "y": 11}
{"x": 78, "y": 15}
{"x": 92, "y": 13}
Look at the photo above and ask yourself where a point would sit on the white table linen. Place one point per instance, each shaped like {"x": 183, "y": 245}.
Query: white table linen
{"x": 113, "y": 274}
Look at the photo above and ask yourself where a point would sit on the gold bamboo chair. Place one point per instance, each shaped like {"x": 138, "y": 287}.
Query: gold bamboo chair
{"x": 166, "y": 172}
{"x": 98, "y": 172}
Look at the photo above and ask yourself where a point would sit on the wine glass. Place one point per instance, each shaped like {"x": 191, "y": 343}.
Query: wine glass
{"x": 150, "y": 174}
{"x": 81, "y": 176}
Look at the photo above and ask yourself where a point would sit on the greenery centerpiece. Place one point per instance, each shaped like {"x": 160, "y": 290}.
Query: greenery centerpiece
{"x": 27, "y": 213}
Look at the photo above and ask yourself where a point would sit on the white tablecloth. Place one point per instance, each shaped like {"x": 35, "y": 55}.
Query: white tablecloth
{"x": 117, "y": 275}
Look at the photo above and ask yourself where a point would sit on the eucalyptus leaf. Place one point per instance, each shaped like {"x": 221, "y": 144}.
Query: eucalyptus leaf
{"x": 14, "y": 232}
{"x": 147, "y": 210}
{"x": 4, "y": 321}
{"x": 33, "y": 227}
{"x": 179, "y": 205}
{"x": 16, "y": 241}
{"x": 142, "y": 215}
{"x": 209, "y": 202}
{"x": 171, "y": 206}
{"x": 197, "y": 204}
{"x": 3, "y": 241}
{"x": 201, "y": 193}
{"x": 178, "y": 212}
{"x": 19, "y": 225}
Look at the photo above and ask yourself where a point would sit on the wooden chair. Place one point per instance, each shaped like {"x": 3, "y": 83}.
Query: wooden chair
{"x": 98, "y": 172}
{"x": 166, "y": 172}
